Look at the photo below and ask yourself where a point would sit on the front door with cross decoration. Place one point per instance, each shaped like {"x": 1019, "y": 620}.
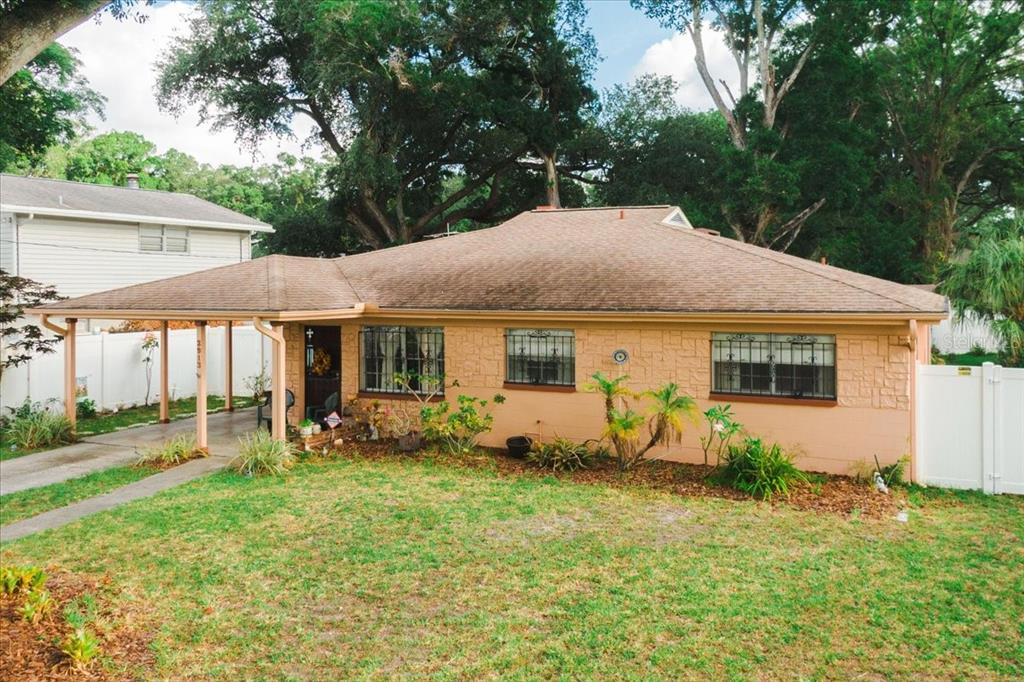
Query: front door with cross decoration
{"x": 323, "y": 368}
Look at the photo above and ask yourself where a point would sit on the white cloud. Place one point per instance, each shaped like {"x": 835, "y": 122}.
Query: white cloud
{"x": 675, "y": 57}
{"x": 119, "y": 60}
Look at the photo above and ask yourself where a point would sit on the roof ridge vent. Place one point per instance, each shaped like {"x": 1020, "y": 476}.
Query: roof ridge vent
{"x": 677, "y": 219}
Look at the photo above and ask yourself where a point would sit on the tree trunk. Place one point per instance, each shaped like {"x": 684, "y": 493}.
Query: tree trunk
{"x": 33, "y": 25}
{"x": 551, "y": 186}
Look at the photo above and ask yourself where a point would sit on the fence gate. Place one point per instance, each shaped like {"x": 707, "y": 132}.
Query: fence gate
{"x": 970, "y": 427}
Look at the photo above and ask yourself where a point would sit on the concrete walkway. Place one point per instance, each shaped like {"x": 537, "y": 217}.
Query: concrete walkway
{"x": 114, "y": 449}
{"x": 95, "y": 453}
{"x": 150, "y": 485}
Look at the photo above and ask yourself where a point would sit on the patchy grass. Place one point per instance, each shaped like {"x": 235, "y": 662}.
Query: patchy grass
{"x": 26, "y": 503}
{"x": 393, "y": 568}
{"x": 105, "y": 422}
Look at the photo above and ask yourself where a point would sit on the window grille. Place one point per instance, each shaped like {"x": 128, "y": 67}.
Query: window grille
{"x": 417, "y": 352}
{"x": 543, "y": 357}
{"x": 787, "y": 365}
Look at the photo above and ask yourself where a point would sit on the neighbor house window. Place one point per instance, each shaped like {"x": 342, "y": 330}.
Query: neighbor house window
{"x": 785, "y": 365}
{"x": 416, "y": 352}
{"x": 542, "y": 357}
{"x": 163, "y": 238}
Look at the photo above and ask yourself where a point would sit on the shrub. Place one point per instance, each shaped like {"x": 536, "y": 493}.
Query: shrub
{"x": 37, "y": 604}
{"x": 561, "y": 455}
{"x": 81, "y": 646}
{"x": 665, "y": 420}
{"x": 759, "y": 470}
{"x": 14, "y": 579}
{"x": 85, "y": 408}
{"x": 179, "y": 449}
{"x": 39, "y": 429}
{"x": 892, "y": 474}
{"x": 722, "y": 426}
{"x": 260, "y": 454}
{"x": 458, "y": 431}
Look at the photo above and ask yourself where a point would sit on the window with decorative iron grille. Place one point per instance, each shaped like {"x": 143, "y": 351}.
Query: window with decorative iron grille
{"x": 785, "y": 365}
{"x": 417, "y": 352}
{"x": 542, "y": 357}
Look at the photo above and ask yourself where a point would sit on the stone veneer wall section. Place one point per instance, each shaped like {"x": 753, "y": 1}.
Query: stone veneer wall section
{"x": 871, "y": 415}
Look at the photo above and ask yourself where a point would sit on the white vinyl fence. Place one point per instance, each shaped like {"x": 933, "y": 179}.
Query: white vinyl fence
{"x": 970, "y": 427}
{"x": 110, "y": 368}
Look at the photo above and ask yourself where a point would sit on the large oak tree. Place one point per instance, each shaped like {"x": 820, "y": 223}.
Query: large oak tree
{"x": 433, "y": 109}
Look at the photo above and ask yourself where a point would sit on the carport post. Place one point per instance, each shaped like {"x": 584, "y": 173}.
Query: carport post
{"x": 70, "y": 380}
{"x": 201, "y": 434}
{"x": 165, "y": 413}
{"x": 279, "y": 384}
{"x": 228, "y": 367}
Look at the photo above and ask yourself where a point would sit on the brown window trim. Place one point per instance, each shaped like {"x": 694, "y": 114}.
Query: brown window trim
{"x": 553, "y": 388}
{"x": 383, "y": 395}
{"x": 777, "y": 399}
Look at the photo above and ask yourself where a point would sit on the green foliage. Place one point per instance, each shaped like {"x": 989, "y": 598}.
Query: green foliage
{"x": 36, "y": 606}
{"x": 14, "y": 579}
{"x": 42, "y": 105}
{"x": 261, "y": 455}
{"x": 180, "y": 448}
{"x": 759, "y": 470}
{"x": 85, "y": 408}
{"x": 81, "y": 646}
{"x": 561, "y": 454}
{"x": 458, "y": 430}
{"x": 988, "y": 280}
{"x": 722, "y": 427}
{"x": 407, "y": 96}
{"x": 39, "y": 428}
{"x": 20, "y": 340}
{"x": 665, "y": 417}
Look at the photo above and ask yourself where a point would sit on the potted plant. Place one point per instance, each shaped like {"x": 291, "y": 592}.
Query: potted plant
{"x": 306, "y": 428}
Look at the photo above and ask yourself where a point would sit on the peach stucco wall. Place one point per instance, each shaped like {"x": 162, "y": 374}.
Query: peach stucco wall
{"x": 871, "y": 415}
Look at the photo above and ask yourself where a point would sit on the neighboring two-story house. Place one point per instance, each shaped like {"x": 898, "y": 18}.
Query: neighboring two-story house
{"x": 84, "y": 238}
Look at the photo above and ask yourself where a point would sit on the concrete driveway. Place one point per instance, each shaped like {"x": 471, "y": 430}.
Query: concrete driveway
{"x": 104, "y": 451}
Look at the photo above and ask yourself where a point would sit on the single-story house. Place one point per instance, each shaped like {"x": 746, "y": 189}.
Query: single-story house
{"x": 82, "y": 238}
{"x": 818, "y": 358}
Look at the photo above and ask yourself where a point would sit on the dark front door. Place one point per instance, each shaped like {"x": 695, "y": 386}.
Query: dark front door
{"x": 323, "y": 365}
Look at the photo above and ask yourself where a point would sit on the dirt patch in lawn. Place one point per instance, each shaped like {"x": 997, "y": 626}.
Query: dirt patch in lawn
{"x": 32, "y": 651}
{"x": 825, "y": 493}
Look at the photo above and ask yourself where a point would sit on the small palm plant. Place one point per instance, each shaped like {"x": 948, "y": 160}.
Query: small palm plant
{"x": 665, "y": 418}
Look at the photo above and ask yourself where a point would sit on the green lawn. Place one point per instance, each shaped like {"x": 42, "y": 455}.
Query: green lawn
{"x": 135, "y": 416}
{"x": 26, "y": 503}
{"x": 392, "y": 569}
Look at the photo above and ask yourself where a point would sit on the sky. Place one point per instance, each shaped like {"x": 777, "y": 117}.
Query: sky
{"x": 629, "y": 43}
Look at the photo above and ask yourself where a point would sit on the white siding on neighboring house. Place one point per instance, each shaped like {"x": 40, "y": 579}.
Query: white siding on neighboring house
{"x": 82, "y": 257}
{"x": 8, "y": 262}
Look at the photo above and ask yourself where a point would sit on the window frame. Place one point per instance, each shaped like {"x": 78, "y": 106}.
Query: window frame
{"x": 384, "y": 386}
{"x": 824, "y": 382}
{"x": 178, "y": 232}
{"x": 566, "y": 341}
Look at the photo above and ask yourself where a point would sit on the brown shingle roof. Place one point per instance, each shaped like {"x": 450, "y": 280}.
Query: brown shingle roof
{"x": 614, "y": 259}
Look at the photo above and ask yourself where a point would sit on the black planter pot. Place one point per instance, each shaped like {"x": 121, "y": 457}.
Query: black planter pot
{"x": 518, "y": 446}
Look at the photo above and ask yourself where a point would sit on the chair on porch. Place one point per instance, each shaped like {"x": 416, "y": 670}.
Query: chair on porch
{"x": 318, "y": 413}
{"x": 268, "y": 402}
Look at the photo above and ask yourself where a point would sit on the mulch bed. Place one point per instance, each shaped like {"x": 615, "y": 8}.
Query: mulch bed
{"x": 827, "y": 493}
{"x": 32, "y": 652}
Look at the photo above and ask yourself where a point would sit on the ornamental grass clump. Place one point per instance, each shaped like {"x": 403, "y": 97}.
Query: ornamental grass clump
{"x": 561, "y": 454}
{"x": 39, "y": 428}
{"x": 760, "y": 471}
{"x": 175, "y": 451}
{"x": 262, "y": 455}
